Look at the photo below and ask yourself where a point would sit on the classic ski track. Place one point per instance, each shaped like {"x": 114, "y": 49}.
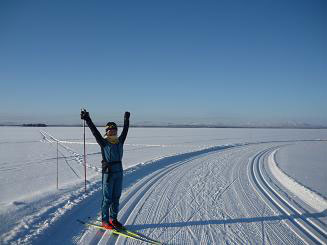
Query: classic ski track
{"x": 176, "y": 177}
{"x": 252, "y": 181}
{"x": 160, "y": 175}
{"x": 173, "y": 177}
{"x": 232, "y": 180}
{"x": 310, "y": 231}
{"x": 247, "y": 207}
{"x": 279, "y": 235}
{"x": 169, "y": 177}
{"x": 143, "y": 183}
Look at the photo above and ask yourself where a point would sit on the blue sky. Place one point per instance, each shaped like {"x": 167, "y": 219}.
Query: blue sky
{"x": 165, "y": 61}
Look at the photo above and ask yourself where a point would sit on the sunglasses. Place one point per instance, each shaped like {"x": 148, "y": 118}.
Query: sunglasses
{"x": 110, "y": 128}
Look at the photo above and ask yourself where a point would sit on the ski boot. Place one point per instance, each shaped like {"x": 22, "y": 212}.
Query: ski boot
{"x": 117, "y": 225}
{"x": 107, "y": 225}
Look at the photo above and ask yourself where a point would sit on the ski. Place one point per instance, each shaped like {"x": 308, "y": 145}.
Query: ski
{"x": 123, "y": 233}
{"x": 136, "y": 234}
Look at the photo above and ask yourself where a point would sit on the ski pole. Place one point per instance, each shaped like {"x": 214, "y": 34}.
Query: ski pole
{"x": 84, "y": 154}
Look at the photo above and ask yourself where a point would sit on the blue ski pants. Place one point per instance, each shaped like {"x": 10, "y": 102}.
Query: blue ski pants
{"x": 112, "y": 184}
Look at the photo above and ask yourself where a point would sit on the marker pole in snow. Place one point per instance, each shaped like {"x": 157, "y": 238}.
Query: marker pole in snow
{"x": 84, "y": 155}
{"x": 57, "y": 169}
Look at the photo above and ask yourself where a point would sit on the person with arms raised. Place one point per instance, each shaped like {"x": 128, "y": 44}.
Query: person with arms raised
{"x": 112, "y": 169}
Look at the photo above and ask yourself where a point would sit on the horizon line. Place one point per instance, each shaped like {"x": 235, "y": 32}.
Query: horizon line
{"x": 171, "y": 126}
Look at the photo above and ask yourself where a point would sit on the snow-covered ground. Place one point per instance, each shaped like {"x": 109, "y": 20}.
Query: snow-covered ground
{"x": 307, "y": 163}
{"x": 181, "y": 186}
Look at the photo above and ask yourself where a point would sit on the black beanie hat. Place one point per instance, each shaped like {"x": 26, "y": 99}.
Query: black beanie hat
{"x": 111, "y": 125}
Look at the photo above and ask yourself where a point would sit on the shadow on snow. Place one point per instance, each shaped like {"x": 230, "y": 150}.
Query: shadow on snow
{"x": 230, "y": 221}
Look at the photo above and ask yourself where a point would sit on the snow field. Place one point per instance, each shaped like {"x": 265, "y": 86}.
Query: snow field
{"x": 181, "y": 186}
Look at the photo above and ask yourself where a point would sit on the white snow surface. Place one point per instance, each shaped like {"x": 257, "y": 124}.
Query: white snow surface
{"x": 317, "y": 202}
{"x": 181, "y": 186}
{"x": 306, "y": 162}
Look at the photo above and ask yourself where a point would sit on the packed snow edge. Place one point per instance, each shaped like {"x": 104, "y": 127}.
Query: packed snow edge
{"x": 308, "y": 196}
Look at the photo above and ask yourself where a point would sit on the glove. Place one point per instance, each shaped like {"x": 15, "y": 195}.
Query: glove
{"x": 127, "y": 115}
{"x": 85, "y": 115}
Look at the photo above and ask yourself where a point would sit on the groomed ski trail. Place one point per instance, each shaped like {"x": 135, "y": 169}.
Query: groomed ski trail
{"x": 215, "y": 195}
{"x": 212, "y": 198}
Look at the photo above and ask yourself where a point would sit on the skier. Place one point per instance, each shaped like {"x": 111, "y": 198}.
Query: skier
{"x": 112, "y": 169}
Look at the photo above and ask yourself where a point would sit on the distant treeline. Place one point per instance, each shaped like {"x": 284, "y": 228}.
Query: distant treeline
{"x": 34, "y": 125}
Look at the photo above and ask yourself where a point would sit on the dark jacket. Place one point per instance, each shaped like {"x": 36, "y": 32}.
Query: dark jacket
{"x": 112, "y": 154}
